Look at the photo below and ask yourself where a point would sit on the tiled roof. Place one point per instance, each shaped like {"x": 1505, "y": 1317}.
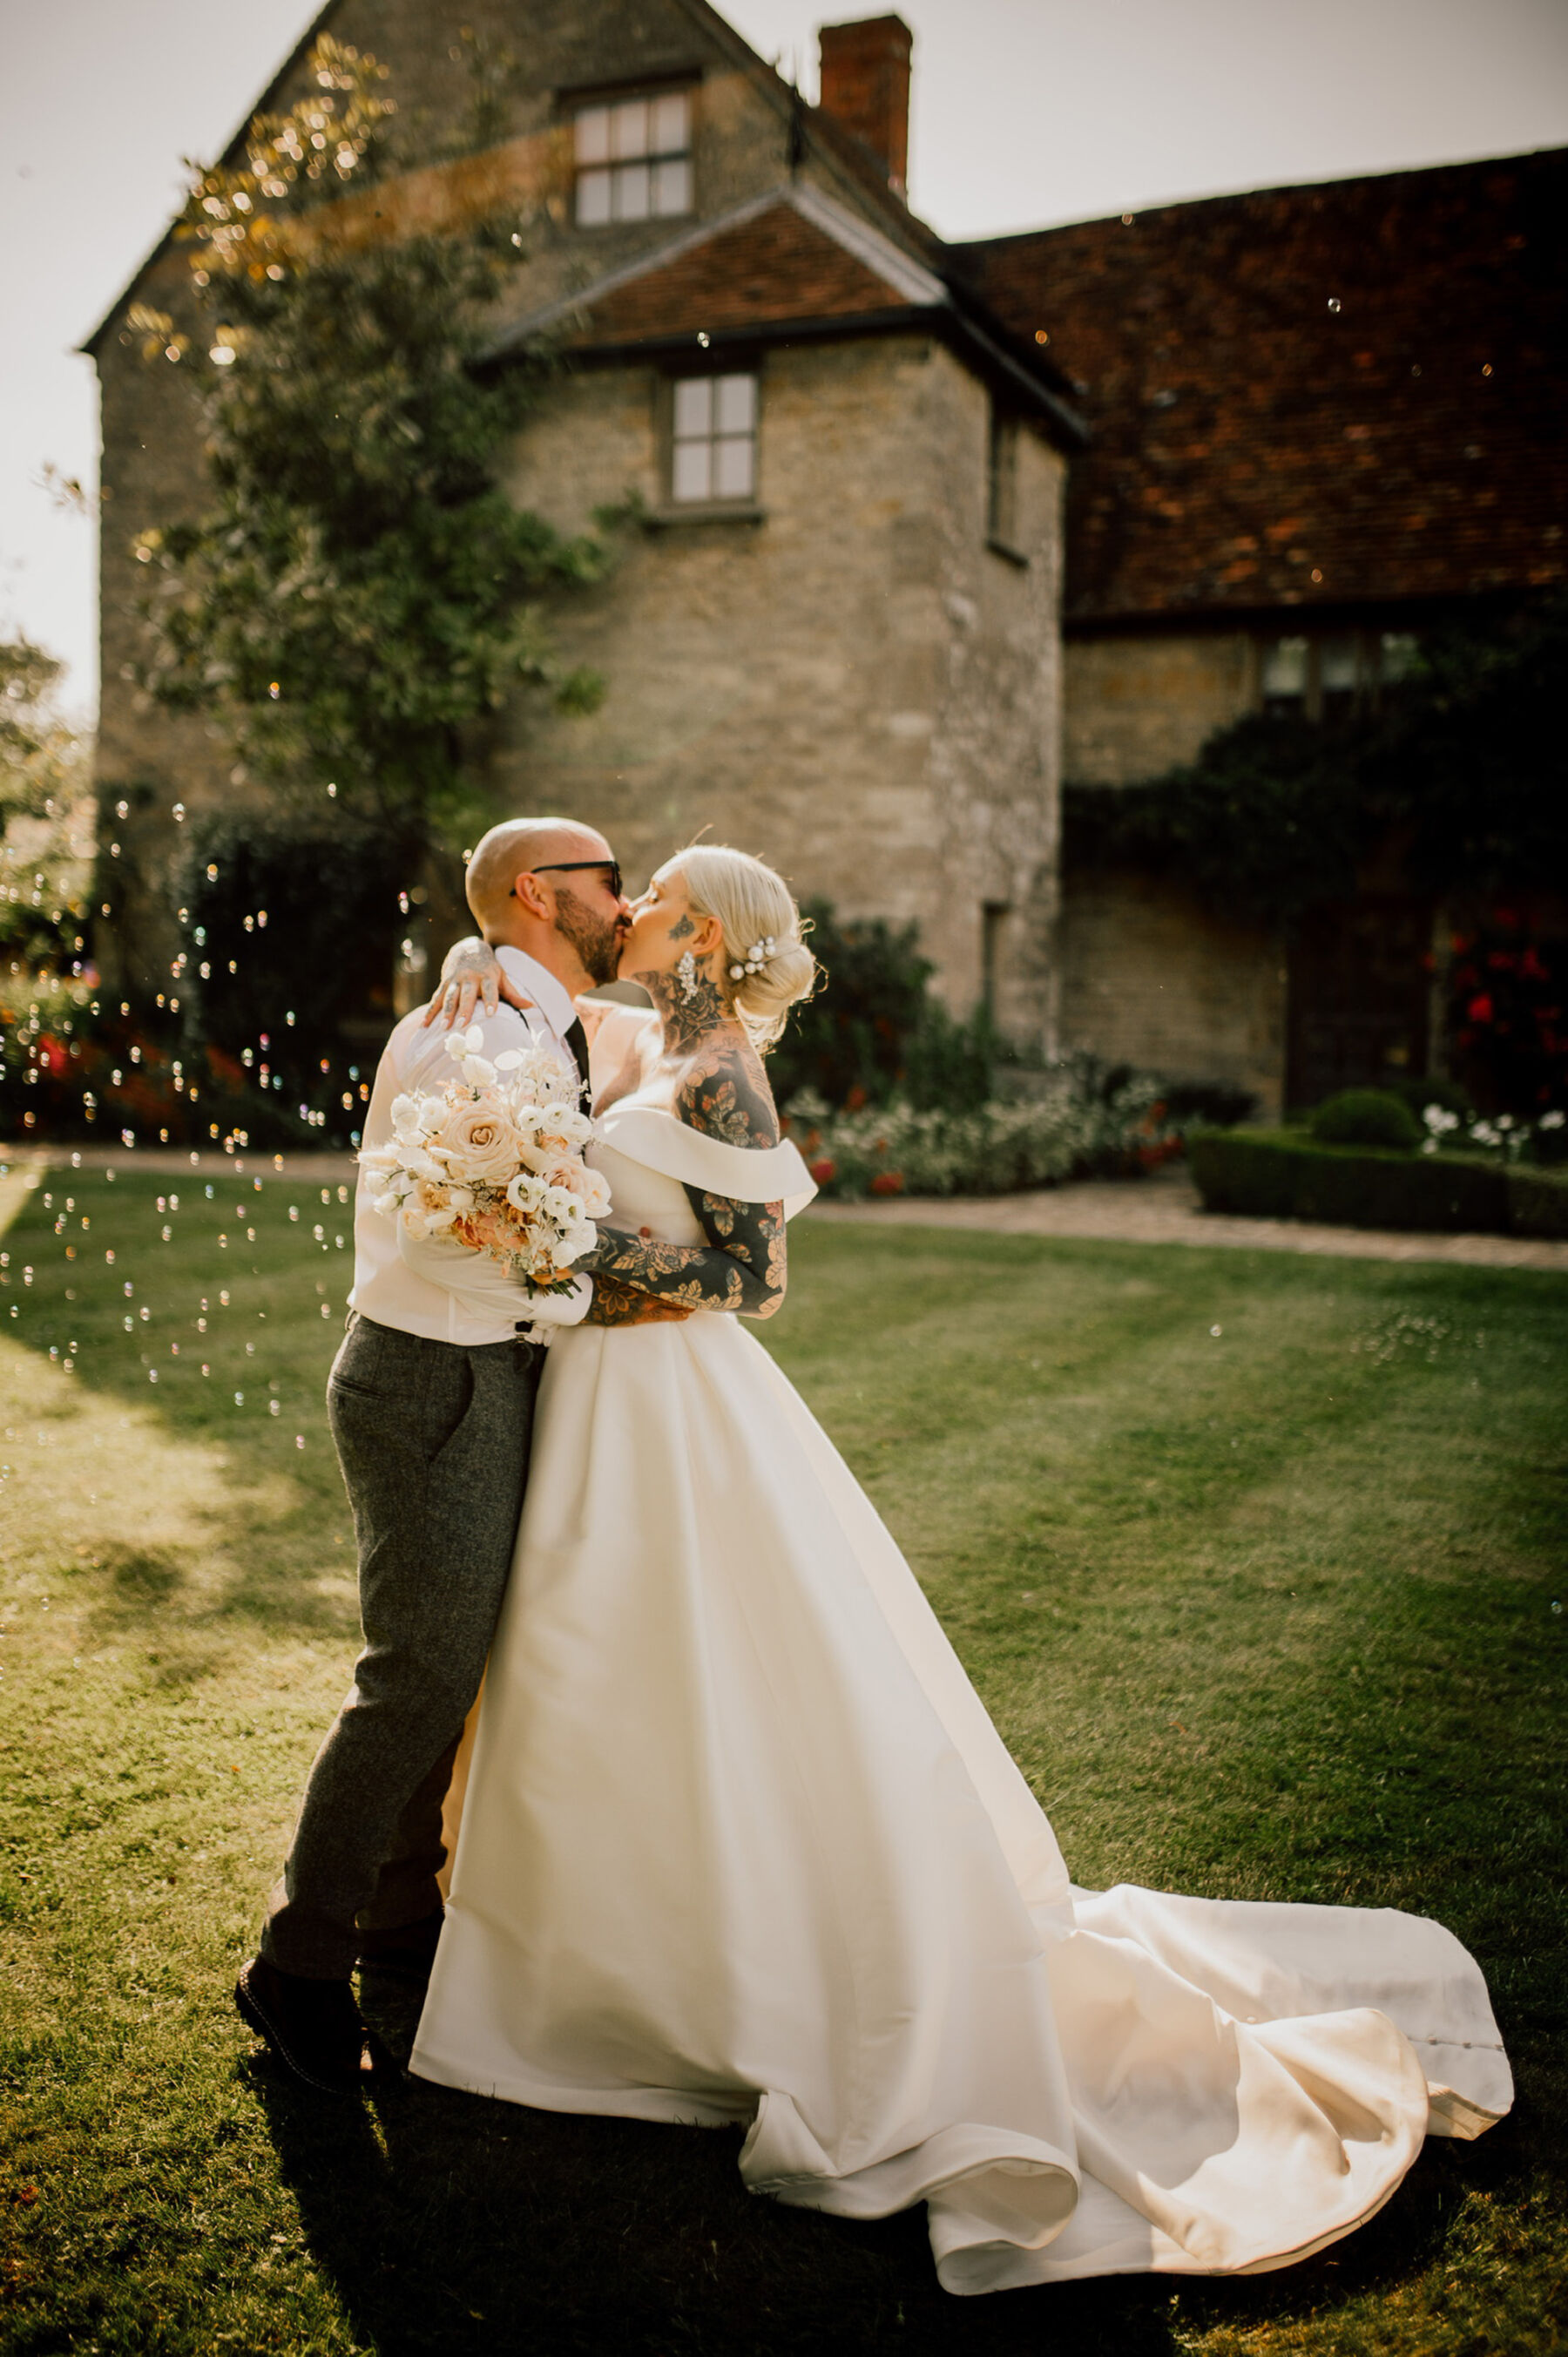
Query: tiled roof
{"x": 778, "y": 263}
{"x": 789, "y": 262}
{"x": 1310, "y": 396}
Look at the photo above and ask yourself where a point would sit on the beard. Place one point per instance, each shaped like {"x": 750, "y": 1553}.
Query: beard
{"x": 597, "y": 940}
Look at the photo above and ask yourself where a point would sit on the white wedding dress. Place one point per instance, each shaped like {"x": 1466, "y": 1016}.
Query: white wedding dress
{"x": 739, "y": 1844}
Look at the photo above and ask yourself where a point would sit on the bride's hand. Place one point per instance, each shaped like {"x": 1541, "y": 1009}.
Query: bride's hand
{"x": 471, "y": 974}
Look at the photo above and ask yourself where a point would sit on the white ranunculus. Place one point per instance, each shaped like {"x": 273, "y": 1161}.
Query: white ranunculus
{"x": 525, "y": 1193}
{"x": 561, "y": 1206}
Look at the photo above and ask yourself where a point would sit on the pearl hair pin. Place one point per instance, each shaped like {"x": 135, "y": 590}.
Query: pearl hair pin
{"x": 756, "y": 957}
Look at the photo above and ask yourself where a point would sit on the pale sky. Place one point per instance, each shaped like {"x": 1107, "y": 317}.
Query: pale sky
{"x": 1026, "y": 113}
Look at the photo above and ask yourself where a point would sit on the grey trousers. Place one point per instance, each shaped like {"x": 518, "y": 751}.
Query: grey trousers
{"x": 433, "y": 1439}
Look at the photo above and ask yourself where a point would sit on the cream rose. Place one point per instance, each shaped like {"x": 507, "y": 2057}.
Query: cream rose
{"x": 478, "y": 1143}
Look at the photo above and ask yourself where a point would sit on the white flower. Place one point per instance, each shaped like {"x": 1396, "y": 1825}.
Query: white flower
{"x": 479, "y": 1071}
{"x": 561, "y": 1206}
{"x": 525, "y": 1193}
{"x": 1554, "y": 1120}
{"x": 405, "y": 1113}
{"x": 461, "y": 1044}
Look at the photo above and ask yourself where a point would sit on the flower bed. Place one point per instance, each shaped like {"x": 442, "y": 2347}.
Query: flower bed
{"x": 998, "y": 1149}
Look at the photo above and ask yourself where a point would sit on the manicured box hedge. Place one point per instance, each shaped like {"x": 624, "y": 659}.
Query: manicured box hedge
{"x": 1286, "y": 1174}
{"x": 1537, "y": 1202}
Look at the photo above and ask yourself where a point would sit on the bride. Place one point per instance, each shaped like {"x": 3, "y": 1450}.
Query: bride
{"x": 738, "y": 1842}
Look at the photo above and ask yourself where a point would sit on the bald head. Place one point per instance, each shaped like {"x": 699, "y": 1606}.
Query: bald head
{"x": 517, "y": 845}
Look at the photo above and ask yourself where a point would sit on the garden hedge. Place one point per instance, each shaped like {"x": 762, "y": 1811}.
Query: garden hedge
{"x": 1286, "y": 1174}
{"x": 1537, "y": 1202}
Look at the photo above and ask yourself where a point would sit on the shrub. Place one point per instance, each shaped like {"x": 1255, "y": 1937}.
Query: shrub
{"x": 1367, "y": 1117}
{"x": 1286, "y": 1174}
{"x": 1537, "y": 1202}
{"x": 873, "y": 1031}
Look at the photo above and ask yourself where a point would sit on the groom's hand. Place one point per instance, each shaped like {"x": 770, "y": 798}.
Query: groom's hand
{"x": 471, "y": 974}
{"x": 615, "y": 1304}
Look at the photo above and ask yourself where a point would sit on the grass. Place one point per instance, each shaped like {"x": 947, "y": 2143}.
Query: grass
{"x": 1252, "y": 1558}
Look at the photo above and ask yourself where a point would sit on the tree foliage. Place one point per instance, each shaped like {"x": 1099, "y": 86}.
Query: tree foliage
{"x": 45, "y": 819}
{"x": 362, "y": 588}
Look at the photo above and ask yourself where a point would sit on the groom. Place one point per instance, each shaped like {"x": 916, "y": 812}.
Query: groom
{"x": 431, "y": 1402}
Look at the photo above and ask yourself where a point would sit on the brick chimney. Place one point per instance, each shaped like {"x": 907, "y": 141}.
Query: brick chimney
{"x": 865, "y": 87}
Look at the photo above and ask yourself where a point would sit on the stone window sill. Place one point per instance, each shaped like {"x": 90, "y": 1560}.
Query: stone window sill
{"x": 705, "y": 511}
{"x": 1012, "y": 555}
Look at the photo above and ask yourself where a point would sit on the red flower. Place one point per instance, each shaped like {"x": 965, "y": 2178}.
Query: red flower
{"x": 1480, "y": 1009}
{"x": 887, "y": 1182}
{"x": 855, "y": 1098}
{"x": 823, "y": 1171}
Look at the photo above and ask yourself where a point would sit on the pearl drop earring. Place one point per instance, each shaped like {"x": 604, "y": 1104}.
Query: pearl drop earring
{"x": 687, "y": 972}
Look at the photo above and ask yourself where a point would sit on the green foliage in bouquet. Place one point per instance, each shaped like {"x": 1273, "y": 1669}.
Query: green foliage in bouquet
{"x": 362, "y": 588}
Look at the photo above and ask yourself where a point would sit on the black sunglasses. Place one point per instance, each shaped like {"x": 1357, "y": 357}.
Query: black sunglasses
{"x": 569, "y": 866}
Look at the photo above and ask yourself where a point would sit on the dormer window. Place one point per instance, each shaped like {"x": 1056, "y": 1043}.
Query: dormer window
{"x": 634, "y": 158}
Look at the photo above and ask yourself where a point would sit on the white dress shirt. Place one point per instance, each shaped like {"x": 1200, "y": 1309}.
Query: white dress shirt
{"x": 434, "y": 1285}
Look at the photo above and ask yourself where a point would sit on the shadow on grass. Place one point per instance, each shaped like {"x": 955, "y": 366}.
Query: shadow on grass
{"x": 449, "y": 2223}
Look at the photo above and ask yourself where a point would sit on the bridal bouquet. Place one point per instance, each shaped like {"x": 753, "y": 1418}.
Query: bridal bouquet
{"x": 495, "y": 1160}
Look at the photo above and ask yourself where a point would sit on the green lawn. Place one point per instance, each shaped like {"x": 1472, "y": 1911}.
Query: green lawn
{"x": 1256, "y": 1559}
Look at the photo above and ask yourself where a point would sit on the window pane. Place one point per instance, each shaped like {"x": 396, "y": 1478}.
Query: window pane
{"x": 733, "y": 469}
{"x": 593, "y": 197}
{"x": 1284, "y": 668}
{"x": 629, "y": 127}
{"x": 693, "y": 406}
{"x": 1338, "y": 661}
{"x": 594, "y": 135}
{"x": 670, "y": 133}
{"x": 691, "y": 478}
{"x": 736, "y": 405}
{"x": 673, "y": 187}
{"x": 631, "y": 192}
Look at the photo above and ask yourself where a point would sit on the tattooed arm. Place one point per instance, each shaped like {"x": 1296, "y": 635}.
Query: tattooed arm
{"x": 741, "y": 1267}
{"x": 616, "y": 1304}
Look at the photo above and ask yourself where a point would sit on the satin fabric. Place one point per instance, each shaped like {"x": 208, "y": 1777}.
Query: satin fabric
{"x": 740, "y": 1844}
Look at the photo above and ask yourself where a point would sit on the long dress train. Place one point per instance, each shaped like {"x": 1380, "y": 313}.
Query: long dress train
{"x": 740, "y": 1844}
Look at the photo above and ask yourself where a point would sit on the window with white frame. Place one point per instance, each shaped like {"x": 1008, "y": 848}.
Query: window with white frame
{"x": 634, "y": 158}
{"x": 712, "y": 440}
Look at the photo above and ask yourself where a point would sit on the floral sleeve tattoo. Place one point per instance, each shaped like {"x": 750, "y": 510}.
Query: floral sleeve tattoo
{"x": 741, "y": 1267}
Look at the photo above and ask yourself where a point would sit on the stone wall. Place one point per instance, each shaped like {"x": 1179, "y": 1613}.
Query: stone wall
{"x": 1149, "y": 978}
{"x": 1135, "y": 705}
{"x": 854, "y": 686}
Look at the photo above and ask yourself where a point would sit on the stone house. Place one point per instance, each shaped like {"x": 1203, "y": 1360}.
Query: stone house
{"x": 924, "y": 524}
{"x": 836, "y": 638}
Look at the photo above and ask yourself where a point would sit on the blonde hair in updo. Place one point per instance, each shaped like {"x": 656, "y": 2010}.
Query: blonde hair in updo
{"x": 752, "y": 904}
